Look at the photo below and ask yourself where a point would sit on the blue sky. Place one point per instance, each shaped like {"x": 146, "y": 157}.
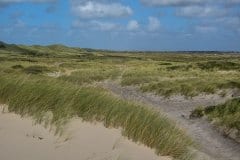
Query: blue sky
{"x": 123, "y": 24}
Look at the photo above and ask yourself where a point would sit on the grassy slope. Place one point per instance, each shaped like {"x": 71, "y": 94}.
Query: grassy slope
{"x": 37, "y": 95}
{"x": 25, "y": 86}
{"x": 165, "y": 74}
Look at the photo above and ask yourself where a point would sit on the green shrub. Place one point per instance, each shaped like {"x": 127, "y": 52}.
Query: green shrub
{"x": 221, "y": 65}
{"x": 18, "y": 66}
{"x": 35, "y": 69}
{"x": 197, "y": 113}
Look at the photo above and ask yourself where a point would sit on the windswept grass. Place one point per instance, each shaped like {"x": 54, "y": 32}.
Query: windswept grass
{"x": 179, "y": 78}
{"x": 37, "y": 95}
{"x": 89, "y": 75}
{"x": 190, "y": 87}
{"x": 227, "y": 114}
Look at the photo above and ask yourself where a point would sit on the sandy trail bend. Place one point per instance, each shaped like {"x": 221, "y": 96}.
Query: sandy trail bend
{"x": 20, "y": 139}
{"x": 212, "y": 145}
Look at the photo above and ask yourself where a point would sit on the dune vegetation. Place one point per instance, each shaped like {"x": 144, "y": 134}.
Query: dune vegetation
{"x": 38, "y": 80}
{"x": 189, "y": 78}
{"x": 226, "y": 116}
{"x": 36, "y": 96}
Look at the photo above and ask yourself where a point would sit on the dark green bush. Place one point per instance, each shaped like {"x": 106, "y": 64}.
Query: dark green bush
{"x": 221, "y": 65}
{"x": 197, "y": 113}
{"x": 18, "y": 66}
{"x": 35, "y": 69}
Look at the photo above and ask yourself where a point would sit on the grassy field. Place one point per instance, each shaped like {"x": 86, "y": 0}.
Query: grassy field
{"x": 185, "y": 78}
{"x": 37, "y": 80}
{"x": 165, "y": 74}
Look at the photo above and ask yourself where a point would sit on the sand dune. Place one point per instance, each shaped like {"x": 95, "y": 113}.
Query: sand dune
{"x": 20, "y": 139}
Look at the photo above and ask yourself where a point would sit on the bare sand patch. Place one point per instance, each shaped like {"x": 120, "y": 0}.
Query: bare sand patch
{"x": 21, "y": 139}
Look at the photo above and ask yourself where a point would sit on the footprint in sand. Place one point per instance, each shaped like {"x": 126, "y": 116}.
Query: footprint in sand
{"x": 34, "y": 136}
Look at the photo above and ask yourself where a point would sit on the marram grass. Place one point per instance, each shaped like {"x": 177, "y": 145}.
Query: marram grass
{"x": 227, "y": 114}
{"x": 38, "y": 95}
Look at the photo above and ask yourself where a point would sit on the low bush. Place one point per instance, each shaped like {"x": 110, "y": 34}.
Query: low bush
{"x": 197, "y": 113}
{"x": 18, "y": 66}
{"x": 35, "y": 69}
{"x": 221, "y": 65}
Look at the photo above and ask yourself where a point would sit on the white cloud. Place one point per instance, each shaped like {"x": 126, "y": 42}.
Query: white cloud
{"x": 153, "y": 24}
{"x": 205, "y": 29}
{"x": 172, "y": 2}
{"x": 96, "y": 25}
{"x": 105, "y": 26}
{"x": 19, "y": 23}
{"x": 133, "y": 25}
{"x": 232, "y": 23}
{"x": 93, "y": 9}
{"x": 201, "y": 11}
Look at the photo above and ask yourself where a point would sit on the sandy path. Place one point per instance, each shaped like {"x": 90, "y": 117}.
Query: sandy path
{"x": 212, "y": 145}
{"x": 21, "y": 140}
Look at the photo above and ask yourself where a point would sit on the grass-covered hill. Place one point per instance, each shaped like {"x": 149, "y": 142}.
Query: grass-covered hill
{"x": 35, "y": 80}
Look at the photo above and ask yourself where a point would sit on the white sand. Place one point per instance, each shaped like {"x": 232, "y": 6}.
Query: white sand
{"x": 20, "y": 139}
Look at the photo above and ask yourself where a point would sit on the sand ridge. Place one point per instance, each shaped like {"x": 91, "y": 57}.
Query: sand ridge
{"x": 21, "y": 139}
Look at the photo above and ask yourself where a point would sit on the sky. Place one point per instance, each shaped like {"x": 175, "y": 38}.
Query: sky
{"x": 164, "y": 25}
